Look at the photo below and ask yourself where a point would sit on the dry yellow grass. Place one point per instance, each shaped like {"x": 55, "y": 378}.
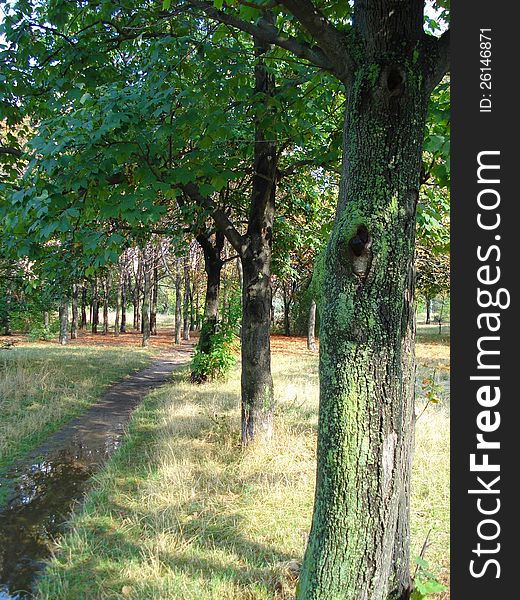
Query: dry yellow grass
{"x": 183, "y": 513}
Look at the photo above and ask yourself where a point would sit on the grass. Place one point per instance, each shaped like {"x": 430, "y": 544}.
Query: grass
{"x": 180, "y": 512}
{"x": 42, "y": 386}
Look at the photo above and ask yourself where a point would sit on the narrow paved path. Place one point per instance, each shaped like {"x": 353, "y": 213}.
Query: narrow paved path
{"x": 44, "y": 485}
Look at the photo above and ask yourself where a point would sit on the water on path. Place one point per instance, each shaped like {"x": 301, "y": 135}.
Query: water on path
{"x": 44, "y": 488}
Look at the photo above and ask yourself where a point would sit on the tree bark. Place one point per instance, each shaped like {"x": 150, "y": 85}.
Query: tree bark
{"x": 187, "y": 296}
{"x": 74, "y": 325}
{"x": 46, "y": 321}
{"x": 286, "y": 312}
{"x": 64, "y": 321}
{"x": 7, "y": 314}
{"x": 428, "y": 303}
{"x": 311, "y": 331}
{"x": 359, "y": 542}
{"x": 117, "y": 325}
{"x": 178, "y": 301}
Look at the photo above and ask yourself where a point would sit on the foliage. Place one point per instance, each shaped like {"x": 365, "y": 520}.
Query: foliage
{"x": 223, "y": 345}
{"x": 425, "y": 582}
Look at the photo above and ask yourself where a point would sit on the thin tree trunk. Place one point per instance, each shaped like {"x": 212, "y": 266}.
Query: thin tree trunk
{"x": 311, "y": 331}
{"x": 46, "y": 322}
{"x": 64, "y": 321}
{"x": 153, "y": 306}
{"x": 187, "y": 296}
{"x": 428, "y": 303}
{"x": 147, "y": 284}
{"x": 122, "y": 329}
{"x": 106, "y": 297}
{"x": 7, "y": 314}
{"x": 95, "y": 306}
{"x": 117, "y": 325}
{"x": 74, "y": 326}
{"x": 286, "y": 311}
{"x": 359, "y": 542}
{"x": 83, "y": 322}
{"x": 178, "y": 301}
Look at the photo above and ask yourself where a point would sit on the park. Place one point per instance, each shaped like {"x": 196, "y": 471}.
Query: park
{"x": 224, "y": 300}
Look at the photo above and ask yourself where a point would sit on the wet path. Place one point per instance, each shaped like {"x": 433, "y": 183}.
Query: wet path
{"x": 44, "y": 487}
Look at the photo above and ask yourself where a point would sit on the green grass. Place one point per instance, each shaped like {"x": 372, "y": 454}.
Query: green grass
{"x": 181, "y": 512}
{"x": 43, "y": 386}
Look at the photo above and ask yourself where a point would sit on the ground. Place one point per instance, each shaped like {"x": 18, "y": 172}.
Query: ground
{"x": 182, "y": 512}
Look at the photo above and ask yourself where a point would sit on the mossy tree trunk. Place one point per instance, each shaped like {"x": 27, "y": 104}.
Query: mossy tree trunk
{"x": 359, "y": 542}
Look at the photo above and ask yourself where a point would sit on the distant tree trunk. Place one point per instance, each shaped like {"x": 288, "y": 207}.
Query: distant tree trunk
{"x": 311, "y": 340}
{"x": 117, "y": 325}
{"x": 187, "y": 295}
{"x": 178, "y": 301}
{"x": 64, "y": 321}
{"x": 83, "y": 323}
{"x": 46, "y": 322}
{"x": 147, "y": 284}
{"x": 95, "y": 306}
{"x": 106, "y": 297}
{"x": 74, "y": 326}
{"x": 428, "y": 303}
{"x": 153, "y": 305}
{"x": 122, "y": 329}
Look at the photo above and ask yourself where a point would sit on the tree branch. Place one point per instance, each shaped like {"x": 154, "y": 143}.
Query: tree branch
{"x": 442, "y": 64}
{"x": 222, "y": 221}
{"x": 331, "y": 40}
{"x": 269, "y": 34}
{"x": 11, "y": 151}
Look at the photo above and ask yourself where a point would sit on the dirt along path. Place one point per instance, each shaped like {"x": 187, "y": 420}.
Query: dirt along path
{"x": 43, "y": 487}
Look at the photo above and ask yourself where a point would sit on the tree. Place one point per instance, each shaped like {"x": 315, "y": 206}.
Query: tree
{"x": 359, "y": 541}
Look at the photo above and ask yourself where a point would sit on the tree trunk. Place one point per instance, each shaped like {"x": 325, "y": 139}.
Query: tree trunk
{"x": 106, "y": 296}
{"x": 64, "y": 321}
{"x": 122, "y": 329}
{"x": 95, "y": 306}
{"x": 428, "y": 303}
{"x": 178, "y": 301}
{"x": 359, "y": 542}
{"x": 46, "y": 321}
{"x": 187, "y": 295}
{"x": 256, "y": 381}
{"x": 83, "y": 323}
{"x": 147, "y": 285}
{"x": 74, "y": 326}
{"x": 117, "y": 325}
{"x": 311, "y": 338}
{"x": 153, "y": 306}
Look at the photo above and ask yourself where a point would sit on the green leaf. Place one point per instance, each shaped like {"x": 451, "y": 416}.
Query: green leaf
{"x": 166, "y": 4}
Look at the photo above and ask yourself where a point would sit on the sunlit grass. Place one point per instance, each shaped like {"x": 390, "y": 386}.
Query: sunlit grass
{"x": 41, "y": 386}
{"x": 181, "y": 512}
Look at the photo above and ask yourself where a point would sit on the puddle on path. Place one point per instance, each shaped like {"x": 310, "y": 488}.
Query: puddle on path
{"x": 44, "y": 488}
